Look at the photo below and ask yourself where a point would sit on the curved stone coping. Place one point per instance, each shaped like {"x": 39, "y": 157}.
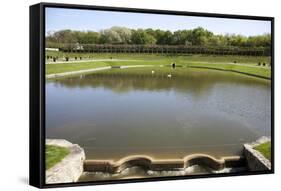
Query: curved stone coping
{"x": 49, "y": 76}
{"x": 255, "y": 160}
{"x": 235, "y": 71}
{"x": 57, "y": 75}
{"x": 136, "y": 66}
{"x": 150, "y": 163}
{"x": 70, "y": 168}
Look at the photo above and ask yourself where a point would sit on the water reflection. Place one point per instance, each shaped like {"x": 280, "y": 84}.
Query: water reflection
{"x": 197, "y": 81}
{"x": 112, "y": 115}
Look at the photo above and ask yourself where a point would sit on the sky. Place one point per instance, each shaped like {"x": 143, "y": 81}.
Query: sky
{"x": 75, "y": 19}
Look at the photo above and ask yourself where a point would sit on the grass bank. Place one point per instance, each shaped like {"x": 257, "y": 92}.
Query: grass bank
{"x": 261, "y": 72}
{"x": 55, "y": 154}
{"x": 265, "y": 149}
{"x": 245, "y": 65}
{"x": 69, "y": 67}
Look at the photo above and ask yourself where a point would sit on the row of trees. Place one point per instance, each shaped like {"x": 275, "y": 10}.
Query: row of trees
{"x": 122, "y": 35}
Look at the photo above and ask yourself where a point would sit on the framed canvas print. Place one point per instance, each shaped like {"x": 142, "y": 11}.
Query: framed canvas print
{"x": 126, "y": 95}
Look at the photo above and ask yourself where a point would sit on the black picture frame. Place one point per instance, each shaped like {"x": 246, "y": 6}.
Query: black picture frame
{"x": 37, "y": 92}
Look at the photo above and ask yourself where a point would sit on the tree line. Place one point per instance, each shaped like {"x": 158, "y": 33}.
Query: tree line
{"x": 122, "y": 35}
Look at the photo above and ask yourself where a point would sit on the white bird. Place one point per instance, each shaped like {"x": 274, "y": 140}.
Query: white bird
{"x": 152, "y": 72}
{"x": 169, "y": 75}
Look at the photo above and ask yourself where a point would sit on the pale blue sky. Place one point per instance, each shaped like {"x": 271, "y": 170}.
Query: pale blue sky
{"x": 76, "y": 19}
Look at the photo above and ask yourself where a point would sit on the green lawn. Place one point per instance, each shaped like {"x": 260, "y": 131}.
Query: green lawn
{"x": 244, "y": 64}
{"x": 68, "y": 67}
{"x": 188, "y": 57}
{"x": 265, "y": 149}
{"x": 55, "y": 154}
{"x": 263, "y": 72}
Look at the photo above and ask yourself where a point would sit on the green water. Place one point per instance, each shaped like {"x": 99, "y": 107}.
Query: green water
{"x": 117, "y": 113}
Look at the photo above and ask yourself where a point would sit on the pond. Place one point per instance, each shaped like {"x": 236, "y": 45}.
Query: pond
{"x": 114, "y": 114}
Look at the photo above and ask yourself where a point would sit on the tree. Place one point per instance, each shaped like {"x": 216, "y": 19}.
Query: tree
{"x": 122, "y": 35}
{"x": 260, "y": 40}
{"x": 142, "y": 37}
{"x": 182, "y": 37}
{"x": 89, "y": 37}
{"x": 164, "y": 37}
{"x": 116, "y": 35}
{"x": 200, "y": 36}
{"x": 110, "y": 36}
{"x": 64, "y": 36}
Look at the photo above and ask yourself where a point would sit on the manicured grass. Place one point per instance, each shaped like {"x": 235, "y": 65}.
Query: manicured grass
{"x": 265, "y": 149}
{"x": 244, "y": 64}
{"x": 68, "y": 67}
{"x": 178, "y": 72}
{"x": 72, "y": 66}
{"x": 55, "y": 154}
{"x": 263, "y": 72}
{"x": 139, "y": 62}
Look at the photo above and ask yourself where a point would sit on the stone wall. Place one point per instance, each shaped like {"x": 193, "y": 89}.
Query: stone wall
{"x": 70, "y": 168}
{"x": 255, "y": 160}
{"x": 149, "y": 163}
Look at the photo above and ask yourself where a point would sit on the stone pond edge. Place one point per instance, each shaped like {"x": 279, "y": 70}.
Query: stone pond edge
{"x": 255, "y": 160}
{"x": 70, "y": 168}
